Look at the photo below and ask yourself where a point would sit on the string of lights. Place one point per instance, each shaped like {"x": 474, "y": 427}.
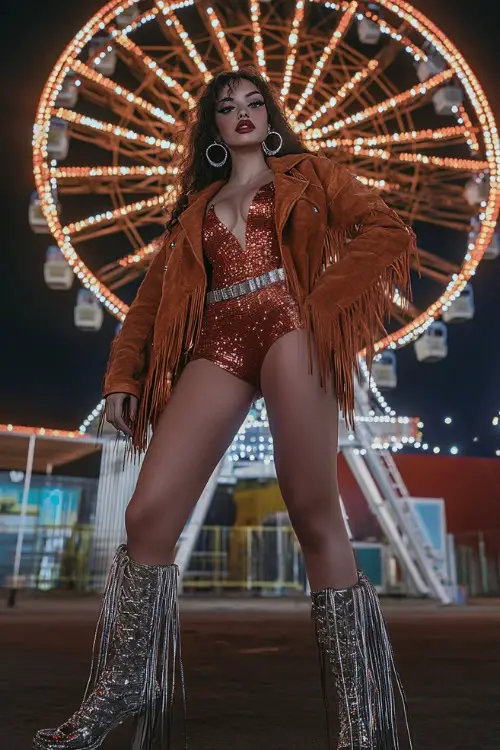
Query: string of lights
{"x": 117, "y": 213}
{"x": 382, "y": 107}
{"x": 221, "y": 38}
{"x": 292, "y": 48}
{"x": 257, "y": 37}
{"x": 328, "y": 51}
{"x": 108, "y": 127}
{"x": 410, "y": 136}
{"x": 123, "y": 93}
{"x": 173, "y": 21}
{"x": 345, "y": 90}
{"x": 147, "y": 61}
{"x": 65, "y": 173}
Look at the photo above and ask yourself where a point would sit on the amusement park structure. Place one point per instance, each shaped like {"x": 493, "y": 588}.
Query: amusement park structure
{"x": 375, "y": 86}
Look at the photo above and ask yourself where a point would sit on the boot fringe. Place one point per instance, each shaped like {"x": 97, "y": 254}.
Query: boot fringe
{"x": 376, "y": 702}
{"x": 164, "y": 654}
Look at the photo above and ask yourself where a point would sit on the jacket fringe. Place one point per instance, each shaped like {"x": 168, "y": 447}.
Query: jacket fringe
{"x": 166, "y": 365}
{"x": 342, "y": 332}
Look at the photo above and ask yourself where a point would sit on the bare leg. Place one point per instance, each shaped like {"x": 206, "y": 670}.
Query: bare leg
{"x": 206, "y": 408}
{"x": 304, "y": 423}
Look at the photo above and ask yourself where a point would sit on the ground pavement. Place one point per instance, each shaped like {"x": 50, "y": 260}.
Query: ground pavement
{"x": 252, "y": 672}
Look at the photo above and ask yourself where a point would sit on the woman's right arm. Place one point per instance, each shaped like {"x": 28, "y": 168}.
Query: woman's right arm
{"x": 127, "y": 361}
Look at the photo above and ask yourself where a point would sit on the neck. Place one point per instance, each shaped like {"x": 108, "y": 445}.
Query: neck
{"x": 247, "y": 165}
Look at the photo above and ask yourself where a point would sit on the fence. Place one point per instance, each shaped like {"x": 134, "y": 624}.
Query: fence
{"x": 478, "y": 562}
{"x": 240, "y": 558}
{"x": 252, "y": 559}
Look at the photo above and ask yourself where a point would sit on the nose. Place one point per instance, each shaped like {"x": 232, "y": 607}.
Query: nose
{"x": 243, "y": 114}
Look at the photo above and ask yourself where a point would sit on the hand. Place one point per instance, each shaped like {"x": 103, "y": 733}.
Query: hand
{"x": 121, "y": 407}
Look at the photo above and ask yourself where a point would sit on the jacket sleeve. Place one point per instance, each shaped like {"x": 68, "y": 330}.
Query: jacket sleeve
{"x": 376, "y": 259}
{"x": 128, "y": 358}
{"x": 366, "y": 260}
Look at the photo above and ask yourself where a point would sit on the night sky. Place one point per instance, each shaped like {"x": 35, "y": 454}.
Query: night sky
{"x": 51, "y": 372}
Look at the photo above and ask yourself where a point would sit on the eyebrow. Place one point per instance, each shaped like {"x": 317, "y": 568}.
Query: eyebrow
{"x": 230, "y": 98}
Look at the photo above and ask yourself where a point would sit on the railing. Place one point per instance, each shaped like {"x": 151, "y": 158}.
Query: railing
{"x": 478, "y": 562}
{"x": 251, "y": 559}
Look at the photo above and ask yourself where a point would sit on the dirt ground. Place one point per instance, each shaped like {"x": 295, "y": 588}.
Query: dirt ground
{"x": 252, "y": 673}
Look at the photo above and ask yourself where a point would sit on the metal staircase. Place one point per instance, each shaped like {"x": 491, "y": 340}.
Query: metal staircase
{"x": 388, "y": 498}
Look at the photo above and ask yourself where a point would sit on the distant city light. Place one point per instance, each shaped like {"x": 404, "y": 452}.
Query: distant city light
{"x": 447, "y": 420}
{"x": 436, "y": 449}
{"x": 454, "y": 450}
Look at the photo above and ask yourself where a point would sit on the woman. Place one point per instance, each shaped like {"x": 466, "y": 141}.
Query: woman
{"x": 272, "y": 274}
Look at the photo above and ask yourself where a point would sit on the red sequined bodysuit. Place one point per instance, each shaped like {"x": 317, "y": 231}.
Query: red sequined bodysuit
{"x": 236, "y": 334}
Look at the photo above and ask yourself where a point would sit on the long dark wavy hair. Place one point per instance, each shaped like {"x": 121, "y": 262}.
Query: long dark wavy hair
{"x": 195, "y": 172}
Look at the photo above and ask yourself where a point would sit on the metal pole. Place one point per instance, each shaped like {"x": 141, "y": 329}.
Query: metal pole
{"x": 483, "y": 564}
{"x": 22, "y": 518}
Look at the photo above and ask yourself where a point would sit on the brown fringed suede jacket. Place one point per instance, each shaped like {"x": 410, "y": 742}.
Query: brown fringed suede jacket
{"x": 344, "y": 252}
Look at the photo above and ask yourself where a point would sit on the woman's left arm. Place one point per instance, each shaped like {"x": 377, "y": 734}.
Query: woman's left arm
{"x": 375, "y": 262}
{"x": 351, "y": 299}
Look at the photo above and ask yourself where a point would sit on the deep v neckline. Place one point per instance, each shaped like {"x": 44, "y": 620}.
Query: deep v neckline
{"x": 226, "y": 228}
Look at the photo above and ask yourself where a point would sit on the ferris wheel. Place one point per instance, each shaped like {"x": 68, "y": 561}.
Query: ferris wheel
{"x": 375, "y": 86}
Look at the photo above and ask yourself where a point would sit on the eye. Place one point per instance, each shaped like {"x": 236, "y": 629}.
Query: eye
{"x": 224, "y": 110}
{"x": 256, "y": 103}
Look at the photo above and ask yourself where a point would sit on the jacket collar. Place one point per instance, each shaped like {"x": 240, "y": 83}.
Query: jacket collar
{"x": 278, "y": 164}
{"x": 287, "y": 191}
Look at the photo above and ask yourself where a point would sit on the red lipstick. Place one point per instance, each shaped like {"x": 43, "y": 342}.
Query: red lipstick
{"x": 245, "y": 126}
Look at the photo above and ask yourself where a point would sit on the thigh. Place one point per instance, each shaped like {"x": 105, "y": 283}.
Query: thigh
{"x": 303, "y": 420}
{"x": 205, "y": 410}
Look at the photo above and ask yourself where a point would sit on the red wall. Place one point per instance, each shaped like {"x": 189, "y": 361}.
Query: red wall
{"x": 469, "y": 486}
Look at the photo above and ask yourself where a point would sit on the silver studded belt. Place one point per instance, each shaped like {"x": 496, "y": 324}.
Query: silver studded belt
{"x": 245, "y": 287}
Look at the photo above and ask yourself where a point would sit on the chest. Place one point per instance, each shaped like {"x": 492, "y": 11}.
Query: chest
{"x": 226, "y": 227}
{"x": 300, "y": 220}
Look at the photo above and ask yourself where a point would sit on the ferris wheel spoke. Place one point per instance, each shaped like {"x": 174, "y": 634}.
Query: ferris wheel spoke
{"x": 370, "y": 179}
{"x": 148, "y": 64}
{"x": 346, "y": 90}
{"x": 113, "y": 130}
{"x": 119, "y": 276}
{"x": 327, "y": 53}
{"x": 111, "y": 142}
{"x": 472, "y": 141}
{"x": 428, "y": 138}
{"x": 132, "y": 209}
{"x": 255, "y": 16}
{"x": 218, "y": 36}
{"x": 408, "y": 157}
{"x": 124, "y": 225}
{"x": 173, "y": 23}
{"x": 124, "y": 95}
{"x": 291, "y": 52}
{"x": 103, "y": 179}
{"x": 384, "y": 108}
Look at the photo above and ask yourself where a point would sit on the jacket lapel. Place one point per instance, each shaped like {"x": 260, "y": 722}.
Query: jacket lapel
{"x": 288, "y": 190}
{"x": 191, "y": 219}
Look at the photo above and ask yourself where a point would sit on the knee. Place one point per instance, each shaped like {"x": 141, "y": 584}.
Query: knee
{"x": 141, "y": 518}
{"x": 315, "y": 520}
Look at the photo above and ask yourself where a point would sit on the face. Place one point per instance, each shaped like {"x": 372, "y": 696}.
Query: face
{"x": 241, "y": 115}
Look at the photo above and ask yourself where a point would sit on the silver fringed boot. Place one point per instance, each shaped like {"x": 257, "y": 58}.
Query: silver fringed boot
{"x": 352, "y": 638}
{"x": 133, "y": 671}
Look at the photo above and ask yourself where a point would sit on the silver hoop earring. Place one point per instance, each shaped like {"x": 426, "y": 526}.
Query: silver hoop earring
{"x": 211, "y": 161}
{"x": 272, "y": 151}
